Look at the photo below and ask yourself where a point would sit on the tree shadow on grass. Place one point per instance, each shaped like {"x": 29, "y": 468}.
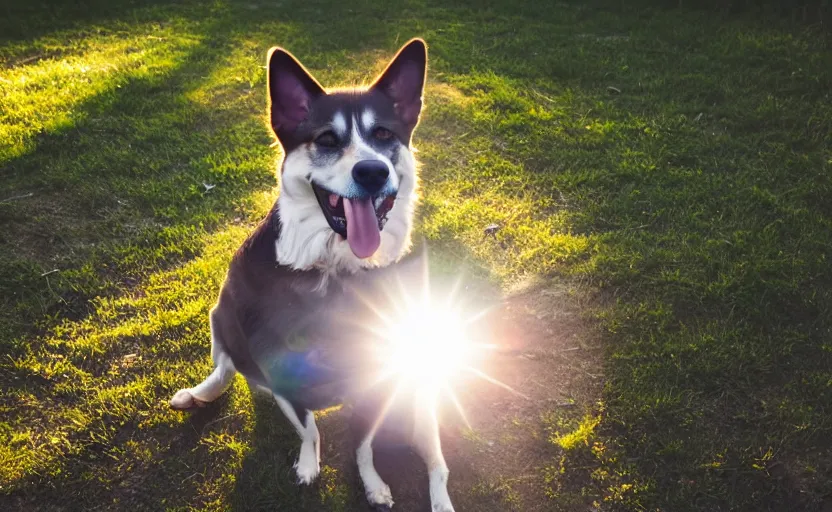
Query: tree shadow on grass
{"x": 27, "y": 21}
{"x": 105, "y": 187}
{"x": 118, "y": 196}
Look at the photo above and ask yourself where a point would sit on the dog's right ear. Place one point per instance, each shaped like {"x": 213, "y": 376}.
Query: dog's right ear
{"x": 291, "y": 90}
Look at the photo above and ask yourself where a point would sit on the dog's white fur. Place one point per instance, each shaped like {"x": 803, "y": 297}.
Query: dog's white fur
{"x": 214, "y": 385}
{"x": 427, "y": 444}
{"x": 308, "y": 465}
{"x": 378, "y": 492}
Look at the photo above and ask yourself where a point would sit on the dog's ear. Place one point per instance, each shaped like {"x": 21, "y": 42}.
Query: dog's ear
{"x": 291, "y": 90}
{"x": 404, "y": 80}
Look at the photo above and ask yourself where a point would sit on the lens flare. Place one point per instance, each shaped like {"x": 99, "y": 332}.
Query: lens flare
{"x": 427, "y": 345}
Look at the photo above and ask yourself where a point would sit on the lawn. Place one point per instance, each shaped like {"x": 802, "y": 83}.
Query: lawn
{"x": 661, "y": 180}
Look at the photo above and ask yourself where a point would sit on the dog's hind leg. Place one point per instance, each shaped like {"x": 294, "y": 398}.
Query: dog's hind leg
{"x": 427, "y": 444}
{"x": 308, "y": 464}
{"x": 378, "y": 493}
{"x": 216, "y": 383}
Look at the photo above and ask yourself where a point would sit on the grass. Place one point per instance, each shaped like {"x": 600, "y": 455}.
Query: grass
{"x": 670, "y": 170}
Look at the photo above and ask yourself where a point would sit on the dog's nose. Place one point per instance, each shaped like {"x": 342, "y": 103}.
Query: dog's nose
{"x": 371, "y": 175}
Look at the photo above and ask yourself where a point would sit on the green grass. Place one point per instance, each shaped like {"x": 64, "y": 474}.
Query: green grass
{"x": 670, "y": 169}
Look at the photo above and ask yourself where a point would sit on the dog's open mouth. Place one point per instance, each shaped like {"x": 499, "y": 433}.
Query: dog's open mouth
{"x": 359, "y": 220}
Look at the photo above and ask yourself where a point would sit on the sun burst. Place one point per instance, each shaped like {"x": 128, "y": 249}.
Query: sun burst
{"x": 426, "y": 346}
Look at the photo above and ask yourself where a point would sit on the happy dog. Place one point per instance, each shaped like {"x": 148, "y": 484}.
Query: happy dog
{"x": 345, "y": 210}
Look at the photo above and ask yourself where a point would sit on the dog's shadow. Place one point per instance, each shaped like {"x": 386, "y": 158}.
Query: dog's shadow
{"x": 266, "y": 479}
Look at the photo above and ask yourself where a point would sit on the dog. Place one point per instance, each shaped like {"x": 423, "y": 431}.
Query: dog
{"x": 286, "y": 314}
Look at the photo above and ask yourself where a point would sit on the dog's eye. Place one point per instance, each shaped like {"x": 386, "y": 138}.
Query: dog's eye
{"x": 327, "y": 139}
{"x": 382, "y": 134}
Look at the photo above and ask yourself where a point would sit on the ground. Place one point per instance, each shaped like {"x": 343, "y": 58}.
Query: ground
{"x": 660, "y": 179}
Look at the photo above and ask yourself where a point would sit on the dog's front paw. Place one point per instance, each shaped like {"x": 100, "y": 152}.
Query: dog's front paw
{"x": 441, "y": 502}
{"x": 183, "y": 400}
{"x": 306, "y": 475}
{"x": 381, "y": 499}
{"x": 308, "y": 466}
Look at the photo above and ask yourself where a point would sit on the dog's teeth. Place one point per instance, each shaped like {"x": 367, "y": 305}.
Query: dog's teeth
{"x": 333, "y": 200}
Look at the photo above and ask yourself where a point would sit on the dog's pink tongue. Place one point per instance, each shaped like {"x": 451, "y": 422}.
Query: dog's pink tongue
{"x": 362, "y": 227}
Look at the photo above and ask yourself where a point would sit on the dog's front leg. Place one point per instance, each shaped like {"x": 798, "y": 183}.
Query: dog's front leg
{"x": 378, "y": 493}
{"x": 427, "y": 444}
{"x": 222, "y": 330}
{"x": 308, "y": 464}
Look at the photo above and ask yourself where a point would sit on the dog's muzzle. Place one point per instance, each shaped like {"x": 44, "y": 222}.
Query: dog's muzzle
{"x": 360, "y": 215}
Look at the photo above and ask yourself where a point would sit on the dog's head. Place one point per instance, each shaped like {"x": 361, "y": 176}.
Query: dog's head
{"x": 348, "y": 180}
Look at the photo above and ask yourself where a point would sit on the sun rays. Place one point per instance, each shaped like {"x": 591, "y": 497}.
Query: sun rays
{"x": 425, "y": 343}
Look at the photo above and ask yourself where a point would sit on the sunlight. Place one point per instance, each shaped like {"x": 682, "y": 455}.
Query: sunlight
{"x": 427, "y": 346}
{"x": 45, "y": 93}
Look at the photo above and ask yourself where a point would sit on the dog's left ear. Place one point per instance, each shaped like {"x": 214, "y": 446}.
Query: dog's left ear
{"x": 404, "y": 80}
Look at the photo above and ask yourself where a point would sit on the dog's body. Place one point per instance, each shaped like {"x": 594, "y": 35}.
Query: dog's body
{"x": 286, "y": 314}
